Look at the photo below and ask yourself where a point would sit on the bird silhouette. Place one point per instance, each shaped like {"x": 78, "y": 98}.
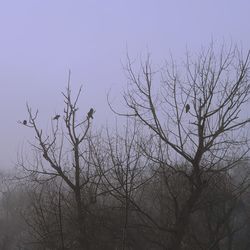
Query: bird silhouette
{"x": 187, "y": 108}
{"x": 56, "y": 117}
{"x": 90, "y": 113}
{"x": 24, "y": 122}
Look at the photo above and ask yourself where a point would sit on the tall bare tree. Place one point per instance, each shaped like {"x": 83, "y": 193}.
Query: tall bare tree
{"x": 196, "y": 113}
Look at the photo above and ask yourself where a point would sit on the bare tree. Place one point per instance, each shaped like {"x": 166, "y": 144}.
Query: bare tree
{"x": 64, "y": 153}
{"x": 197, "y": 117}
{"x": 124, "y": 172}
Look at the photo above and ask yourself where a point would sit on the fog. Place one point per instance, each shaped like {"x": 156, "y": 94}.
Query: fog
{"x": 42, "y": 40}
{"x": 172, "y": 173}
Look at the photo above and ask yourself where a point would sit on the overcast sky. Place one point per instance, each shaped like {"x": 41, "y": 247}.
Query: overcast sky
{"x": 40, "y": 40}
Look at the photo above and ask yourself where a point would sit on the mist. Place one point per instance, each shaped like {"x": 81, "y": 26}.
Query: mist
{"x": 124, "y": 125}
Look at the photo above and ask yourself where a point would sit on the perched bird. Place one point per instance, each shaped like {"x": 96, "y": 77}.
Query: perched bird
{"x": 56, "y": 117}
{"x": 90, "y": 113}
{"x": 24, "y": 122}
{"x": 187, "y": 108}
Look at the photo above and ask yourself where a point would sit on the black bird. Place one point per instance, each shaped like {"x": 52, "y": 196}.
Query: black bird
{"x": 56, "y": 117}
{"x": 187, "y": 108}
{"x": 90, "y": 113}
{"x": 24, "y": 122}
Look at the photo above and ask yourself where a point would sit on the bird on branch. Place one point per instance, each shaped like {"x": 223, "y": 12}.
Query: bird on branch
{"x": 187, "y": 108}
{"x": 90, "y": 113}
{"x": 24, "y": 122}
{"x": 56, "y": 117}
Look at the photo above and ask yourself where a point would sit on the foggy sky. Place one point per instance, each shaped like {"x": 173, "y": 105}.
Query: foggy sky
{"x": 42, "y": 39}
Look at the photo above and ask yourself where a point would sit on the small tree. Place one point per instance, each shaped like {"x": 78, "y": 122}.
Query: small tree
{"x": 124, "y": 170}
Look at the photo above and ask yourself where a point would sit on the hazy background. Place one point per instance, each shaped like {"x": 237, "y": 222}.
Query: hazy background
{"x": 40, "y": 40}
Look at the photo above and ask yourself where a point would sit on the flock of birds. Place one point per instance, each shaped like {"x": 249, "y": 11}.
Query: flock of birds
{"x": 92, "y": 111}
{"x": 56, "y": 117}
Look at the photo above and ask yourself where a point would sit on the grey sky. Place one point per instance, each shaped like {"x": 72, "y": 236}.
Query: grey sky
{"x": 41, "y": 39}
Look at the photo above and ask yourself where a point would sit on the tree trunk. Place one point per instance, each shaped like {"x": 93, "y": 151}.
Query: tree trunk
{"x": 182, "y": 221}
{"x": 81, "y": 237}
